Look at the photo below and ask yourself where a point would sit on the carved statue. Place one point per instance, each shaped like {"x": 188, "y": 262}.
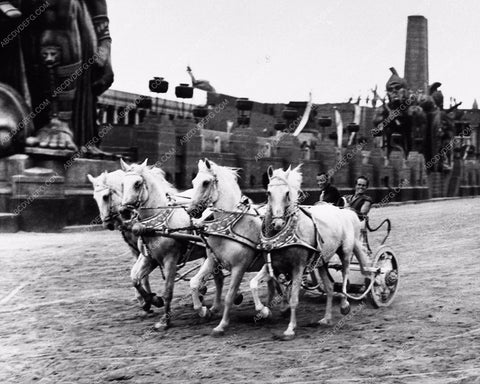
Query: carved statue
{"x": 414, "y": 120}
{"x": 203, "y": 85}
{"x": 59, "y": 62}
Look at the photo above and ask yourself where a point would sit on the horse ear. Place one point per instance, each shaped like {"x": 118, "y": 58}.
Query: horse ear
{"x": 287, "y": 172}
{"x": 91, "y": 178}
{"x": 270, "y": 171}
{"x": 124, "y": 165}
{"x": 143, "y": 165}
{"x": 207, "y": 163}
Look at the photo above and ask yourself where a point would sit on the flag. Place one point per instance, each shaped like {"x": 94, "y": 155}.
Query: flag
{"x": 339, "y": 123}
{"x": 358, "y": 113}
{"x": 305, "y": 117}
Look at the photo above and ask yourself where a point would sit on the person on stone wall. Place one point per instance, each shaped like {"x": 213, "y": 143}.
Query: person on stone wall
{"x": 328, "y": 193}
{"x": 63, "y": 57}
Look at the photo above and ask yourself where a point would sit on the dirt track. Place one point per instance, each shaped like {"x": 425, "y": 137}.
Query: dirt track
{"x": 67, "y": 315}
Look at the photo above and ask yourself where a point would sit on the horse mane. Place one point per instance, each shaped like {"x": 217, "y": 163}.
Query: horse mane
{"x": 293, "y": 178}
{"x": 155, "y": 175}
{"x": 229, "y": 174}
{"x": 114, "y": 179}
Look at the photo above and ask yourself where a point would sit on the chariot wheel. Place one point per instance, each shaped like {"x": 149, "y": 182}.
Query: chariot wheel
{"x": 386, "y": 280}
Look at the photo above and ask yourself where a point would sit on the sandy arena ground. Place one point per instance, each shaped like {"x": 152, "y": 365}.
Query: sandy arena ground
{"x": 68, "y": 315}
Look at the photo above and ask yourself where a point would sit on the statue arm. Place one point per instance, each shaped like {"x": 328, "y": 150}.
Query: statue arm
{"x": 99, "y": 14}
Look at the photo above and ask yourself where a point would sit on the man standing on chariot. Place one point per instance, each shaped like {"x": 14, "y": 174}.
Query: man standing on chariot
{"x": 361, "y": 204}
{"x": 359, "y": 201}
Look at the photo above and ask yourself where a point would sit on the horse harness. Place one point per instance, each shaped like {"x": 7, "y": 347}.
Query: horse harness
{"x": 159, "y": 222}
{"x": 288, "y": 237}
{"x": 225, "y": 226}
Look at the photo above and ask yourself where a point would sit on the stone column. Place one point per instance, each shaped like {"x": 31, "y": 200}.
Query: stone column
{"x": 416, "y": 55}
{"x": 115, "y": 115}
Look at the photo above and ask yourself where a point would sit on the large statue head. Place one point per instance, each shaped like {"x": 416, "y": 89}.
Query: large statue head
{"x": 51, "y": 55}
{"x": 396, "y": 89}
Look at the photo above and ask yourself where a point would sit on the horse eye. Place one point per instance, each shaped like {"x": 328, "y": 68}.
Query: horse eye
{"x": 137, "y": 184}
{"x": 206, "y": 183}
{"x": 105, "y": 198}
{"x": 288, "y": 193}
{"x": 268, "y": 193}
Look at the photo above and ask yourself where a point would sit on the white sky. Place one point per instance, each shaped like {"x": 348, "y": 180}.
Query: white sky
{"x": 278, "y": 50}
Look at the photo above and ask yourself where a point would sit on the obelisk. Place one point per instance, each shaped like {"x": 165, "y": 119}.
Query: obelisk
{"x": 416, "y": 55}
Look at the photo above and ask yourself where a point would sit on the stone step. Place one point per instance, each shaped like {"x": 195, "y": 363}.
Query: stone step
{"x": 8, "y": 223}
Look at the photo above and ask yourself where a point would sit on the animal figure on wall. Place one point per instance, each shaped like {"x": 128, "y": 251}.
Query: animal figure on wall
{"x": 203, "y": 85}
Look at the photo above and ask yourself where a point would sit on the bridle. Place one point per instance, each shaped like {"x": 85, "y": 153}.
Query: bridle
{"x": 144, "y": 191}
{"x": 288, "y": 212}
{"x": 112, "y": 214}
{"x": 208, "y": 202}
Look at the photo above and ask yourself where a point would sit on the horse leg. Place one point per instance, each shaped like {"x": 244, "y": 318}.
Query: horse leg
{"x": 170, "y": 269}
{"x": 217, "y": 300}
{"x": 328, "y": 286}
{"x": 141, "y": 269}
{"x": 235, "y": 280}
{"x": 263, "y": 312}
{"x": 196, "y": 283}
{"x": 344, "y": 304}
{"x": 361, "y": 257}
{"x": 297, "y": 275}
{"x": 146, "y": 280}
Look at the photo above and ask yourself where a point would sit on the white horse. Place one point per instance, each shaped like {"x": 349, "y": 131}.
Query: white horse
{"x": 107, "y": 192}
{"x": 231, "y": 238}
{"x": 149, "y": 193}
{"x": 297, "y": 238}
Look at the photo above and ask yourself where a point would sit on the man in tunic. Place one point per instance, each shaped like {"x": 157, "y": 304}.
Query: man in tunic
{"x": 328, "y": 193}
{"x": 359, "y": 201}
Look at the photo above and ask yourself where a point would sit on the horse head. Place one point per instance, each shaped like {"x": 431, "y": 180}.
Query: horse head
{"x": 144, "y": 187}
{"x": 135, "y": 191}
{"x": 283, "y": 192}
{"x": 205, "y": 188}
{"x": 107, "y": 194}
{"x": 214, "y": 185}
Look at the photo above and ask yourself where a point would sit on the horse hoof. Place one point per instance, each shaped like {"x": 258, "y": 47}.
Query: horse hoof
{"x": 284, "y": 337}
{"x": 161, "y": 326}
{"x": 203, "y": 290}
{"x": 324, "y": 322}
{"x": 217, "y": 333}
{"x": 157, "y": 301}
{"x": 205, "y": 313}
{"x": 214, "y": 310}
{"x": 345, "y": 310}
{"x": 146, "y": 307}
{"x": 238, "y": 300}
